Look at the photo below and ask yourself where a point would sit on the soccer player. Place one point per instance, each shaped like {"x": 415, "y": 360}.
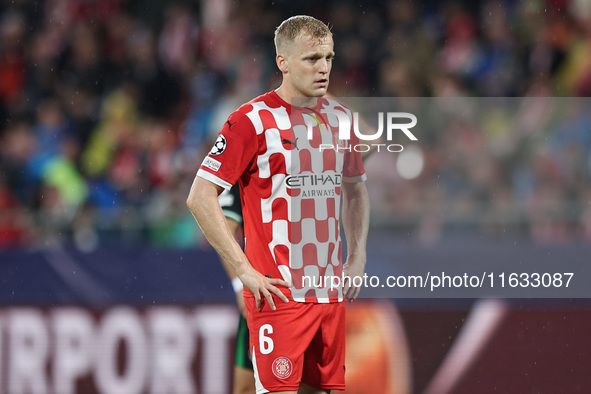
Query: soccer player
{"x": 291, "y": 201}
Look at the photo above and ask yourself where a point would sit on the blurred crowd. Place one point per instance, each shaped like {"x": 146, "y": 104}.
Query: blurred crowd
{"x": 107, "y": 108}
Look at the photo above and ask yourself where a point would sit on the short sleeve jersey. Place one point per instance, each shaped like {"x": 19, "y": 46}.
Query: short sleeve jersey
{"x": 290, "y": 164}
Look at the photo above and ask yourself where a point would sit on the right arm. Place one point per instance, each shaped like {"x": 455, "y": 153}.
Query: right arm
{"x": 234, "y": 227}
{"x": 203, "y": 204}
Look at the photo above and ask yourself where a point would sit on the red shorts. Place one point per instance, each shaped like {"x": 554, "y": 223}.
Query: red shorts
{"x": 298, "y": 342}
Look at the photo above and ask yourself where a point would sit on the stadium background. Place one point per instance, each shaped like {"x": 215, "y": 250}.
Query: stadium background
{"x": 106, "y": 108}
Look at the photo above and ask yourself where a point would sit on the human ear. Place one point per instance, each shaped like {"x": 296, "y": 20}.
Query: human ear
{"x": 281, "y": 61}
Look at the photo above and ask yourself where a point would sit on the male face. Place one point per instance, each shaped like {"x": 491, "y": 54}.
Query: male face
{"x": 306, "y": 66}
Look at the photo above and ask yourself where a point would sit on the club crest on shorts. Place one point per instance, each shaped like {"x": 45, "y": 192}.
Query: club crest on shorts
{"x": 219, "y": 146}
{"x": 282, "y": 367}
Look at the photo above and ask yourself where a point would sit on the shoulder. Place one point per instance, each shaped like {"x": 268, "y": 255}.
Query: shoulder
{"x": 264, "y": 112}
{"x": 245, "y": 111}
{"x": 268, "y": 99}
{"x": 330, "y": 104}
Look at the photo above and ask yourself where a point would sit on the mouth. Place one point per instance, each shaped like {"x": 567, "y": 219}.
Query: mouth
{"x": 321, "y": 82}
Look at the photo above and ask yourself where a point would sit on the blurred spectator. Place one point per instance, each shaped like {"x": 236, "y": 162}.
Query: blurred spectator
{"x": 14, "y": 226}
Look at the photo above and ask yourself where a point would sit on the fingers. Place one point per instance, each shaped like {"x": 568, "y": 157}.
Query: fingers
{"x": 270, "y": 290}
{"x": 346, "y": 288}
{"x": 267, "y": 292}
{"x": 258, "y": 301}
{"x": 352, "y": 294}
{"x": 350, "y": 291}
{"x": 352, "y": 273}
{"x": 270, "y": 300}
{"x": 266, "y": 295}
{"x": 279, "y": 282}
{"x": 278, "y": 292}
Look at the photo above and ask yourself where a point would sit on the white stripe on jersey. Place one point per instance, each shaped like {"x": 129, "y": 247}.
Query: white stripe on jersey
{"x": 214, "y": 179}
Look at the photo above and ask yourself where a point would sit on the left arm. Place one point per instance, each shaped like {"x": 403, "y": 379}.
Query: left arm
{"x": 356, "y": 225}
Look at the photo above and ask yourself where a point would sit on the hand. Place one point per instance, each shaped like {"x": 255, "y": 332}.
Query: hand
{"x": 263, "y": 288}
{"x": 353, "y": 267}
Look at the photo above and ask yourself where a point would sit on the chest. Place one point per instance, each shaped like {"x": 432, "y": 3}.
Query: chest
{"x": 308, "y": 146}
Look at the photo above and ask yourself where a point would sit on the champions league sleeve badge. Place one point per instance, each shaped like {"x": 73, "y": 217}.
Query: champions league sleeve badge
{"x": 219, "y": 146}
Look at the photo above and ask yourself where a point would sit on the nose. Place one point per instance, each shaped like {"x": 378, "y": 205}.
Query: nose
{"x": 323, "y": 66}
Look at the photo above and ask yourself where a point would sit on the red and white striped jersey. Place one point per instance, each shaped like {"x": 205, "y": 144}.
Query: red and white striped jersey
{"x": 290, "y": 164}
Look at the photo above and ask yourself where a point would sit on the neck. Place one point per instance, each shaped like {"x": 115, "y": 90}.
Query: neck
{"x": 288, "y": 95}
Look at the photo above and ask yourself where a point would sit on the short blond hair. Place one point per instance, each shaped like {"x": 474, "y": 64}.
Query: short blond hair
{"x": 299, "y": 25}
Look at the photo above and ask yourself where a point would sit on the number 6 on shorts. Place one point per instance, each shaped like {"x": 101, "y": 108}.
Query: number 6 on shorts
{"x": 266, "y": 344}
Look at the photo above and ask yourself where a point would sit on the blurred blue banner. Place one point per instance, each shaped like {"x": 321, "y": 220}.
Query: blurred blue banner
{"x": 114, "y": 275}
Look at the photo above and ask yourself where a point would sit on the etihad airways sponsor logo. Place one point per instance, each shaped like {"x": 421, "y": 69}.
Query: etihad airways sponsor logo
{"x": 313, "y": 180}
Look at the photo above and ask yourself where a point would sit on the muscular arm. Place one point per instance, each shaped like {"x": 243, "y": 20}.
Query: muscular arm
{"x": 204, "y": 206}
{"x": 356, "y": 225}
{"x": 234, "y": 227}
